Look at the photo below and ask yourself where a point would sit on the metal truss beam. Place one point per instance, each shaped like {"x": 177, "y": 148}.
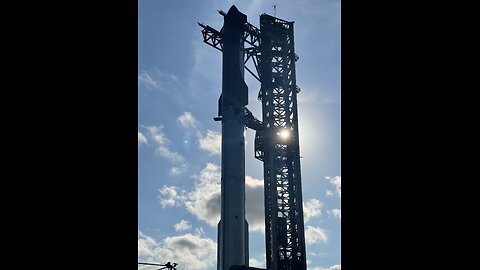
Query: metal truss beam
{"x": 251, "y": 36}
{"x": 284, "y": 226}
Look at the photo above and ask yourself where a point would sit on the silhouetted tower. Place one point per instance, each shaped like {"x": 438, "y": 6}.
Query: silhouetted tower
{"x": 277, "y": 145}
{"x": 272, "y": 51}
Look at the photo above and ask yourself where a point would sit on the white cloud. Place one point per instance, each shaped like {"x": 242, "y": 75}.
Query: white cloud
{"x": 158, "y": 136}
{"x": 175, "y": 171}
{"x": 178, "y": 170}
{"x": 314, "y": 235}
{"x": 204, "y": 200}
{"x": 190, "y": 123}
{"x": 182, "y": 225}
{"x": 187, "y": 120}
{"x": 145, "y": 79}
{"x": 145, "y": 244}
{"x": 335, "y": 267}
{"x": 254, "y": 204}
{"x": 169, "y": 154}
{"x": 171, "y": 196}
{"x": 256, "y": 263}
{"x": 157, "y": 80}
{"x": 199, "y": 231}
{"x": 329, "y": 193}
{"x": 335, "y": 212}
{"x": 141, "y": 138}
{"x": 318, "y": 254}
{"x": 191, "y": 252}
{"x": 312, "y": 209}
{"x": 211, "y": 143}
{"x": 336, "y": 181}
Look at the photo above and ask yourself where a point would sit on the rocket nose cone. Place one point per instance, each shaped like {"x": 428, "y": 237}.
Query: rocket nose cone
{"x": 234, "y": 13}
{"x": 233, "y": 9}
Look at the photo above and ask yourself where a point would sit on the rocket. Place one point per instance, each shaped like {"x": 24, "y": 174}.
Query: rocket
{"x": 233, "y": 227}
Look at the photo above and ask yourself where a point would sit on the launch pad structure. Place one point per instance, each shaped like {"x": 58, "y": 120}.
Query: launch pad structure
{"x": 272, "y": 51}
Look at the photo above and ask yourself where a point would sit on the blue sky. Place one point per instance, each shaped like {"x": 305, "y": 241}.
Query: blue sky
{"x": 179, "y": 82}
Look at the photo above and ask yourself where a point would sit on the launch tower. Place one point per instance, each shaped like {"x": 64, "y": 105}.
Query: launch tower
{"x": 272, "y": 51}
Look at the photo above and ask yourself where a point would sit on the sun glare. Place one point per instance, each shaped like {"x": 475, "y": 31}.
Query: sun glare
{"x": 284, "y": 134}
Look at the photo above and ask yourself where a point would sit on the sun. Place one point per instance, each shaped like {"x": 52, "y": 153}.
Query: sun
{"x": 284, "y": 134}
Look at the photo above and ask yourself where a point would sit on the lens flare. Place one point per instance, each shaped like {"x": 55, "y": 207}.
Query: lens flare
{"x": 284, "y": 134}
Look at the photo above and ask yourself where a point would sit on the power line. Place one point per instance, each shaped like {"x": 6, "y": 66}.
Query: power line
{"x": 168, "y": 265}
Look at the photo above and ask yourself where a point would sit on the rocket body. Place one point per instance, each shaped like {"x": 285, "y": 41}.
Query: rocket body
{"x": 233, "y": 227}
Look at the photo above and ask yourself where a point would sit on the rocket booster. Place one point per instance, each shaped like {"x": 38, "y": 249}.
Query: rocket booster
{"x": 233, "y": 227}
